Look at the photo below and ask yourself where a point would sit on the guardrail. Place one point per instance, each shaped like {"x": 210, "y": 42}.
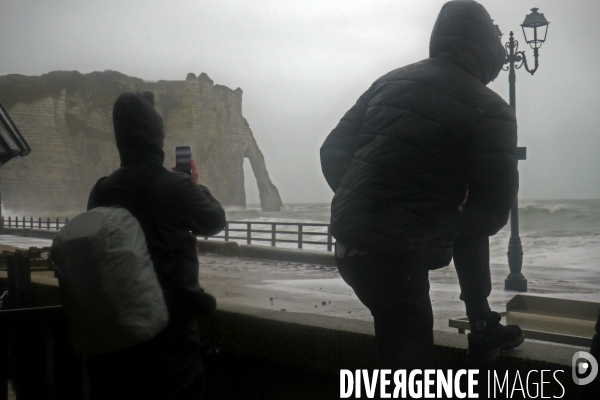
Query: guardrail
{"x": 277, "y": 232}
{"x": 15, "y": 222}
{"x": 257, "y": 232}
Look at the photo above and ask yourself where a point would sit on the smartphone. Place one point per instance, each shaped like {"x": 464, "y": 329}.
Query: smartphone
{"x": 183, "y": 159}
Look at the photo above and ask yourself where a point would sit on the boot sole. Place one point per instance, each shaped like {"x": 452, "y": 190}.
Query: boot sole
{"x": 515, "y": 343}
{"x": 493, "y": 355}
{"x": 489, "y": 357}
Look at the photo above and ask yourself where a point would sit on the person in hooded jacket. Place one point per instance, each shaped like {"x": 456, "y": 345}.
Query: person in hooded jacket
{"x": 401, "y": 162}
{"x": 171, "y": 208}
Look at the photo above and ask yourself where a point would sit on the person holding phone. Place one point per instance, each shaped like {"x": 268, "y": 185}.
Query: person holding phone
{"x": 172, "y": 209}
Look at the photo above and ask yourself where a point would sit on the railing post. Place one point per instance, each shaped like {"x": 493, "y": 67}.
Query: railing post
{"x": 9, "y": 222}
{"x": 249, "y": 233}
{"x": 31, "y": 222}
{"x": 56, "y": 223}
{"x": 329, "y": 238}
{"x": 227, "y": 231}
{"x": 48, "y": 223}
{"x": 19, "y": 281}
{"x": 39, "y": 222}
{"x": 299, "y": 236}
{"x": 273, "y": 233}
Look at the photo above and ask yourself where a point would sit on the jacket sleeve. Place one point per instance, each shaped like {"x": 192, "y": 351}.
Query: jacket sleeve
{"x": 200, "y": 211}
{"x": 492, "y": 174}
{"x": 337, "y": 151}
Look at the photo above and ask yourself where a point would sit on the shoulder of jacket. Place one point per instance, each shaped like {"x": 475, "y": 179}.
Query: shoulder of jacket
{"x": 175, "y": 181}
{"x": 402, "y": 72}
{"x": 493, "y": 106}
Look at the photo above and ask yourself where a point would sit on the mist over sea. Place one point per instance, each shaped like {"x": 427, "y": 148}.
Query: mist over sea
{"x": 553, "y": 233}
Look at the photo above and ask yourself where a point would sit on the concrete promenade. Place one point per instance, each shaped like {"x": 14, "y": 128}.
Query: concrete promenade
{"x": 302, "y": 287}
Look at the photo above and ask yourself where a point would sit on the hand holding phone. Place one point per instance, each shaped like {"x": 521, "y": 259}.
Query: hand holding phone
{"x": 184, "y": 162}
{"x": 183, "y": 159}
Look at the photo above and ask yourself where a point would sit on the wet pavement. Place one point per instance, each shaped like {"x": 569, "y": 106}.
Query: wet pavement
{"x": 320, "y": 290}
{"x": 296, "y": 287}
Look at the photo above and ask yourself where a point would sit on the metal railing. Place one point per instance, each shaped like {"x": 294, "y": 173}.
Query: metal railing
{"x": 31, "y": 223}
{"x": 290, "y": 234}
{"x": 294, "y": 233}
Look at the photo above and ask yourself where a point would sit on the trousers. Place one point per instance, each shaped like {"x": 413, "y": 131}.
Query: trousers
{"x": 398, "y": 298}
{"x": 397, "y": 294}
{"x": 471, "y": 255}
{"x": 168, "y": 367}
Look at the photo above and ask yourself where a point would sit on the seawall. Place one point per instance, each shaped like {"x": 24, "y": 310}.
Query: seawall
{"x": 252, "y": 352}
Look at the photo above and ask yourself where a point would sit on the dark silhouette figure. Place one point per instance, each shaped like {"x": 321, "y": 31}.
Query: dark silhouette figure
{"x": 170, "y": 206}
{"x": 400, "y": 162}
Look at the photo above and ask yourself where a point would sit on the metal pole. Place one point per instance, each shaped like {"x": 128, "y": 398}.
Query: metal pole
{"x": 273, "y": 234}
{"x": 515, "y": 279}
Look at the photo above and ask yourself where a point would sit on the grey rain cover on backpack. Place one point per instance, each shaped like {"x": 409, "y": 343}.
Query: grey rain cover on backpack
{"x": 111, "y": 296}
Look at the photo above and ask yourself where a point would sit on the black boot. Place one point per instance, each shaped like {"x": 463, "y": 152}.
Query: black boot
{"x": 488, "y": 338}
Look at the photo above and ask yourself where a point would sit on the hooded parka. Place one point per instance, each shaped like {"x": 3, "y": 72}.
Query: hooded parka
{"x": 168, "y": 205}
{"x": 401, "y": 158}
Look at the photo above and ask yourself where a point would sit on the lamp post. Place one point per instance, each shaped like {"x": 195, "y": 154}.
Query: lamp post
{"x": 515, "y": 60}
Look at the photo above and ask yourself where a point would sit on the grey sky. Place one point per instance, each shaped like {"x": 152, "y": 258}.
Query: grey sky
{"x": 302, "y": 64}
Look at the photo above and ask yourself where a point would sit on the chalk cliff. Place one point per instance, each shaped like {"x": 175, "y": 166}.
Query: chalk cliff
{"x": 66, "y": 117}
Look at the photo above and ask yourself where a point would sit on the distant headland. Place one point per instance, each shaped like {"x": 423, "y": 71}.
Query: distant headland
{"x": 66, "y": 117}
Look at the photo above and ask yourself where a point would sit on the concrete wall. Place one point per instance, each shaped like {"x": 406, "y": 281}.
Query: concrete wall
{"x": 263, "y": 354}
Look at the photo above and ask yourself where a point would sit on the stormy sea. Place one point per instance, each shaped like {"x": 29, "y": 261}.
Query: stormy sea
{"x": 560, "y": 239}
{"x": 553, "y": 232}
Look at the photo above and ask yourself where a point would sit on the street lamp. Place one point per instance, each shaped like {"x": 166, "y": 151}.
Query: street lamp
{"x": 535, "y": 29}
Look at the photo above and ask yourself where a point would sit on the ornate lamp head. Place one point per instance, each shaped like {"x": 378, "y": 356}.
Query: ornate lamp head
{"x": 532, "y": 23}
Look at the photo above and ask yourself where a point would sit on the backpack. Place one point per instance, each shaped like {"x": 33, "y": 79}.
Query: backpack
{"x": 111, "y": 296}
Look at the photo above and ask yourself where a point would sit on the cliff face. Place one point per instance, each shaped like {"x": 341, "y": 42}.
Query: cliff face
{"x": 66, "y": 118}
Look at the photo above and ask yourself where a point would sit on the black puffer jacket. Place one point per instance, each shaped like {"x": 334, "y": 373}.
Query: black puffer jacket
{"x": 399, "y": 161}
{"x": 168, "y": 206}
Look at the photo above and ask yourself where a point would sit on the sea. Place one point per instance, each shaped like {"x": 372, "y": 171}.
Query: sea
{"x": 553, "y": 232}
{"x": 560, "y": 240}
{"x": 563, "y": 233}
